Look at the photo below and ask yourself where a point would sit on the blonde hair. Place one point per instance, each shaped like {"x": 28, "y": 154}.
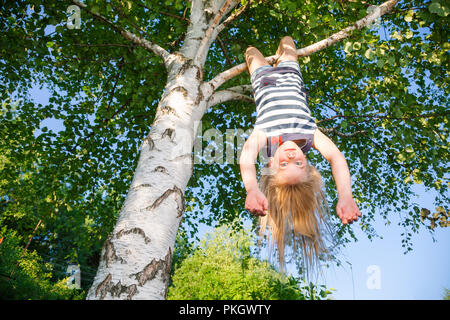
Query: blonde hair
{"x": 297, "y": 215}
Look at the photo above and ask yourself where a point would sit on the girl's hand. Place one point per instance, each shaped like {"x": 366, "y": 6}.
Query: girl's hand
{"x": 256, "y": 203}
{"x": 347, "y": 210}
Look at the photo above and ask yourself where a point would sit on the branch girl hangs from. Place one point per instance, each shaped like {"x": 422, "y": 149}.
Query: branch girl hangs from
{"x": 289, "y": 201}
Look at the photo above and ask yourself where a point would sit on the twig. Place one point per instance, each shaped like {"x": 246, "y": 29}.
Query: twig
{"x": 378, "y": 117}
{"x": 232, "y": 17}
{"x": 341, "y": 134}
{"x": 224, "y": 50}
{"x": 183, "y": 18}
{"x": 31, "y": 237}
{"x": 146, "y": 44}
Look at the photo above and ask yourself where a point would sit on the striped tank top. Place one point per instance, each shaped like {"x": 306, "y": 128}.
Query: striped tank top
{"x": 282, "y": 106}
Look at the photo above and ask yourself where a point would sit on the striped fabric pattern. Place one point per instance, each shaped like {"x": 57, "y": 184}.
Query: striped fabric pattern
{"x": 281, "y": 101}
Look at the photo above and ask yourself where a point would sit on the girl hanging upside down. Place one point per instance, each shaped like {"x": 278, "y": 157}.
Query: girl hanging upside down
{"x": 289, "y": 200}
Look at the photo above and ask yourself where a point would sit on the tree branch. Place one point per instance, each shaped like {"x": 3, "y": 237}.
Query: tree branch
{"x": 168, "y": 14}
{"x": 384, "y": 116}
{"x": 211, "y": 32}
{"x": 345, "y": 33}
{"x": 340, "y": 134}
{"x": 224, "y": 50}
{"x": 325, "y": 43}
{"x": 144, "y": 43}
{"x": 102, "y": 45}
{"x": 234, "y": 93}
{"x": 121, "y": 64}
{"x": 231, "y": 18}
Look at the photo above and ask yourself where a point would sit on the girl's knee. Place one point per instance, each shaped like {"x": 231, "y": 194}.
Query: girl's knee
{"x": 287, "y": 39}
{"x": 251, "y": 50}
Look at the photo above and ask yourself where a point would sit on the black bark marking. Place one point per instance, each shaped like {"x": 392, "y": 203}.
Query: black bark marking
{"x": 189, "y": 64}
{"x": 199, "y": 74}
{"x": 160, "y": 169}
{"x": 106, "y": 286}
{"x": 168, "y": 133}
{"x": 199, "y": 96}
{"x": 102, "y": 288}
{"x": 209, "y": 16}
{"x": 213, "y": 87}
{"x": 168, "y": 110}
{"x": 180, "y": 200}
{"x": 181, "y": 89}
{"x": 151, "y": 269}
{"x": 135, "y": 231}
{"x": 144, "y": 185}
{"x": 109, "y": 254}
{"x": 149, "y": 141}
{"x": 178, "y": 57}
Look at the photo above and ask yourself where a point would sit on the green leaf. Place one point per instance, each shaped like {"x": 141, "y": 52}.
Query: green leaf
{"x": 95, "y": 9}
{"x": 380, "y": 63}
{"x": 409, "y": 16}
{"x": 401, "y": 157}
{"x": 348, "y": 47}
{"x": 369, "y": 54}
{"x": 436, "y": 7}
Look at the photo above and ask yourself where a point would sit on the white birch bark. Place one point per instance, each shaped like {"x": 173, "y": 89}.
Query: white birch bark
{"x": 136, "y": 258}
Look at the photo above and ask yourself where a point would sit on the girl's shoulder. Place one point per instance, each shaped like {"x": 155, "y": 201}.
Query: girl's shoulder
{"x": 324, "y": 145}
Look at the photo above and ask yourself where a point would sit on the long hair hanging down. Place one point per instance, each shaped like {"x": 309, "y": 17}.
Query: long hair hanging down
{"x": 297, "y": 215}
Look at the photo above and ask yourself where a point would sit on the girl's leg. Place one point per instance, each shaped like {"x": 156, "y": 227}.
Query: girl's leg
{"x": 286, "y": 50}
{"x": 254, "y": 59}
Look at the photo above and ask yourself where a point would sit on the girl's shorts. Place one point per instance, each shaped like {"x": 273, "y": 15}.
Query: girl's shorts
{"x": 281, "y": 64}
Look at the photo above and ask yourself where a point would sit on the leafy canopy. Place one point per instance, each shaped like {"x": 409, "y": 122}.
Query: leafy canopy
{"x": 389, "y": 82}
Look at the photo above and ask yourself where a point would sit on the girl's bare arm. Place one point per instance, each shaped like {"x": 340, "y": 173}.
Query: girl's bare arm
{"x": 255, "y": 201}
{"x": 339, "y": 166}
{"x": 346, "y": 209}
{"x": 255, "y": 142}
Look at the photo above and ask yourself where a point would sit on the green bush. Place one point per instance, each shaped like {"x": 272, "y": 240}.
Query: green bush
{"x": 24, "y": 276}
{"x": 223, "y": 268}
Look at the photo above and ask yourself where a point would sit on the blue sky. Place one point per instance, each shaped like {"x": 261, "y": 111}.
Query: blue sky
{"x": 423, "y": 273}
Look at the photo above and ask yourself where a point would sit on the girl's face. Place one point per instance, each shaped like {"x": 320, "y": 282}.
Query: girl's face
{"x": 289, "y": 163}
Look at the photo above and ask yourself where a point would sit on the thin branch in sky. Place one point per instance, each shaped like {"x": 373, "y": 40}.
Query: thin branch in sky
{"x": 146, "y": 44}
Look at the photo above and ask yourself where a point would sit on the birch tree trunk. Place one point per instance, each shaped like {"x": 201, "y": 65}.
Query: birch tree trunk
{"x": 136, "y": 258}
